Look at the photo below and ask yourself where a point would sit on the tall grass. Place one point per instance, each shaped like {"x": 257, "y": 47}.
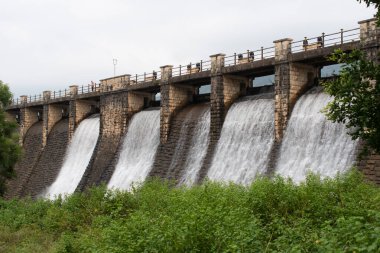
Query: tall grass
{"x": 332, "y": 215}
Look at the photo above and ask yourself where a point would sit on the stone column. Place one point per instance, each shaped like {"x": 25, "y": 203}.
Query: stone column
{"x": 73, "y": 90}
{"x": 291, "y": 81}
{"x": 216, "y": 97}
{"x": 173, "y": 98}
{"x": 113, "y": 119}
{"x": 370, "y": 38}
{"x": 51, "y": 115}
{"x": 28, "y": 116}
{"x": 282, "y": 85}
{"x": 78, "y": 110}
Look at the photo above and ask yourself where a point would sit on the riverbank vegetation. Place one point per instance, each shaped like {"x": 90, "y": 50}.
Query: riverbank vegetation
{"x": 332, "y": 215}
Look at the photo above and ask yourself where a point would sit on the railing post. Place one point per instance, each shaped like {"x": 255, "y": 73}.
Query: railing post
{"x": 341, "y": 36}
{"x": 201, "y": 65}
{"x": 323, "y": 39}
{"x": 180, "y": 69}
{"x": 144, "y": 76}
{"x": 262, "y": 53}
{"x": 234, "y": 58}
{"x": 136, "y": 78}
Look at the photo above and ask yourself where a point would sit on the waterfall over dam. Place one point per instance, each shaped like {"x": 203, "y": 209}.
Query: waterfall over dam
{"x": 198, "y": 149}
{"x": 182, "y": 156}
{"x": 245, "y": 142}
{"x": 77, "y": 157}
{"x": 313, "y": 143}
{"x": 138, "y": 150}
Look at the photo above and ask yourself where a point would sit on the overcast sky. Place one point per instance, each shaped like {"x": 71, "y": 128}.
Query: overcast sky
{"x": 51, "y": 44}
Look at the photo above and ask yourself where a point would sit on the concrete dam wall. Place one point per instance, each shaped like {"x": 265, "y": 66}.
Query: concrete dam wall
{"x": 234, "y": 133}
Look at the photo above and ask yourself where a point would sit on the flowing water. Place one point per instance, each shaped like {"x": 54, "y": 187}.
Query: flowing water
{"x": 246, "y": 139}
{"x": 312, "y": 143}
{"x": 77, "y": 158}
{"x": 198, "y": 149}
{"x": 138, "y": 150}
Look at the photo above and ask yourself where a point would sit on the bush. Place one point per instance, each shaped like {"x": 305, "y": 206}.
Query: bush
{"x": 331, "y": 215}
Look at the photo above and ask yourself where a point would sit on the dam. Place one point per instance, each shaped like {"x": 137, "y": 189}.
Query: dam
{"x": 163, "y": 124}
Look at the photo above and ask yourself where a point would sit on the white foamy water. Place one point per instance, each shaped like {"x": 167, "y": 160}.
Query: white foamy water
{"x": 313, "y": 143}
{"x": 139, "y": 149}
{"x": 245, "y": 142}
{"x": 198, "y": 149}
{"x": 77, "y": 157}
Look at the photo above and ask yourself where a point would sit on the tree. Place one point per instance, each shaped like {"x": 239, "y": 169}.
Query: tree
{"x": 9, "y": 147}
{"x": 356, "y": 93}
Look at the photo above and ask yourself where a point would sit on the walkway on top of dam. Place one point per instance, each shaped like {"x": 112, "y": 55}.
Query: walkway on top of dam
{"x": 255, "y": 63}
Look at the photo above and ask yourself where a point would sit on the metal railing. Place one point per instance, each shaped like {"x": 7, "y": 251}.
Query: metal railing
{"x": 191, "y": 68}
{"x": 146, "y": 77}
{"x": 89, "y": 88}
{"x": 249, "y": 56}
{"x": 326, "y": 40}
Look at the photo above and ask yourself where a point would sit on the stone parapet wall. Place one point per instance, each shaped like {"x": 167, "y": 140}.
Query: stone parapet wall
{"x": 114, "y": 83}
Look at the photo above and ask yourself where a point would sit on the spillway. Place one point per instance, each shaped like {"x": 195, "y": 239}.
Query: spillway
{"x": 138, "y": 150}
{"x": 246, "y": 140}
{"x": 198, "y": 149}
{"x": 77, "y": 158}
{"x": 313, "y": 143}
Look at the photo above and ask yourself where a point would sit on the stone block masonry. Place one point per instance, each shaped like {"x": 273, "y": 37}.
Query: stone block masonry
{"x": 51, "y": 115}
{"x": 50, "y": 162}
{"x": 173, "y": 99}
{"x": 79, "y": 110}
{"x": 113, "y": 122}
{"x": 291, "y": 81}
{"x": 28, "y": 117}
{"x": 25, "y": 166}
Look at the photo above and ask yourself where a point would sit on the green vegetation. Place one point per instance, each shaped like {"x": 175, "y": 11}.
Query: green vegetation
{"x": 9, "y": 148}
{"x": 334, "y": 215}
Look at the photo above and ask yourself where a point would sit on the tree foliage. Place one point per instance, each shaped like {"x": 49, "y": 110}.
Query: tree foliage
{"x": 9, "y": 147}
{"x": 356, "y": 95}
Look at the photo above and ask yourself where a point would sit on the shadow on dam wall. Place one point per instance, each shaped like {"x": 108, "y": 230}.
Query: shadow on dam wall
{"x": 50, "y": 162}
{"x": 24, "y": 168}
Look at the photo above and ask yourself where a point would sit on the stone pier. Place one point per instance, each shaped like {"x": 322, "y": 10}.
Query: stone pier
{"x": 173, "y": 99}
